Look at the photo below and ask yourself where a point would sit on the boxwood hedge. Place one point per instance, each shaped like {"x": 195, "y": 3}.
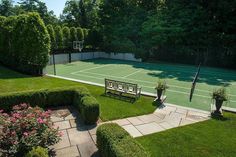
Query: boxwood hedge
{"x": 79, "y": 97}
{"x": 89, "y": 109}
{"x": 113, "y": 140}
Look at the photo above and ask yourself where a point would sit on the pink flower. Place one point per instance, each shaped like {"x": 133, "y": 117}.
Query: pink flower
{"x": 40, "y": 120}
{"x": 13, "y": 119}
{"x": 15, "y": 142}
{"x": 16, "y": 115}
{"x": 1, "y": 111}
{"x": 25, "y": 134}
{"x": 60, "y": 133}
{"x": 13, "y": 133}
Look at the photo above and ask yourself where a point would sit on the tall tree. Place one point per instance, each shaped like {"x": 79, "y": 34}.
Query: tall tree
{"x": 6, "y": 7}
{"x": 83, "y": 13}
{"x": 40, "y": 7}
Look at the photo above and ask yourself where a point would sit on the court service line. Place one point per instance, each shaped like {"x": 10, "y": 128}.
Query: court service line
{"x": 206, "y": 91}
{"x": 99, "y": 78}
{"x": 132, "y": 73}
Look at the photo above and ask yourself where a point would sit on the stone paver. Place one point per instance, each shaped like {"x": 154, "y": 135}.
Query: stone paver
{"x": 56, "y": 119}
{"x": 132, "y": 130}
{"x": 166, "y": 125}
{"x": 186, "y": 122}
{"x": 149, "y": 128}
{"x": 62, "y": 125}
{"x": 68, "y": 152}
{"x": 121, "y": 122}
{"x": 182, "y": 111}
{"x": 78, "y": 137}
{"x": 88, "y": 148}
{"x": 64, "y": 142}
{"x": 135, "y": 121}
{"x": 149, "y": 118}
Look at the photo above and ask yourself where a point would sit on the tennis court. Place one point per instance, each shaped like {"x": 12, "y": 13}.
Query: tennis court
{"x": 178, "y": 77}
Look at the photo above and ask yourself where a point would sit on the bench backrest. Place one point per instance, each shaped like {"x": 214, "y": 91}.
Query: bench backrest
{"x": 121, "y": 86}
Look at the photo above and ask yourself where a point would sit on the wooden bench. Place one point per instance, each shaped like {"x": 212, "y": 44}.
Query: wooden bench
{"x": 122, "y": 87}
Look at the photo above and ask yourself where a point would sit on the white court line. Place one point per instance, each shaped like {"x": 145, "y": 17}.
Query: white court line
{"x": 143, "y": 81}
{"x": 132, "y": 73}
{"x": 97, "y": 67}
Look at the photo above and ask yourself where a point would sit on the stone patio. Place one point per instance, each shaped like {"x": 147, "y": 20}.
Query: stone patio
{"x": 79, "y": 140}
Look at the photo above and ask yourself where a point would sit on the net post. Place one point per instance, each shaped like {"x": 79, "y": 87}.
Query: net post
{"x": 54, "y": 64}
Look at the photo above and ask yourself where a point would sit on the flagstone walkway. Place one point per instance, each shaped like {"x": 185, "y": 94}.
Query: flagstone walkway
{"x": 80, "y": 140}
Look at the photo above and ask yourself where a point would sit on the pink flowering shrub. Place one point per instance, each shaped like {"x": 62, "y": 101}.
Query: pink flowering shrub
{"x": 24, "y": 128}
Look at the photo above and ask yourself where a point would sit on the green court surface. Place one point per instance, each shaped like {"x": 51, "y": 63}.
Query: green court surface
{"x": 178, "y": 77}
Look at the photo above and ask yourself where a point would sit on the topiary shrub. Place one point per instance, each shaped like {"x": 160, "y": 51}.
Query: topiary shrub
{"x": 89, "y": 108}
{"x": 113, "y": 140}
{"x": 59, "y": 37}
{"x": 52, "y": 35}
{"x": 37, "y": 152}
{"x": 67, "y": 37}
{"x": 80, "y": 33}
{"x": 73, "y": 32}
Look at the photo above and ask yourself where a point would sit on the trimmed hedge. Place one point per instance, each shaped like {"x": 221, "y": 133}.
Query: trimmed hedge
{"x": 89, "y": 109}
{"x": 113, "y": 140}
{"x": 26, "y": 43}
{"x": 79, "y": 97}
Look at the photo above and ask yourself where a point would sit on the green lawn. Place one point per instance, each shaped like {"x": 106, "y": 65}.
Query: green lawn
{"x": 212, "y": 138}
{"x": 111, "y": 108}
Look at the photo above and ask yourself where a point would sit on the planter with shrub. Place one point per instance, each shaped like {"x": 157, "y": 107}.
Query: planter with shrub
{"x": 161, "y": 87}
{"x": 219, "y": 96}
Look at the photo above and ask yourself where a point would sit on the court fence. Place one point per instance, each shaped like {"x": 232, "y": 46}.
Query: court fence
{"x": 66, "y": 57}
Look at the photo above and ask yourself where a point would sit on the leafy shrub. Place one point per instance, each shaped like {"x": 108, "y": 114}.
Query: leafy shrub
{"x": 220, "y": 94}
{"x": 55, "y": 97}
{"x": 59, "y": 37}
{"x": 80, "y": 33}
{"x": 89, "y": 109}
{"x": 52, "y": 35}
{"x": 37, "y": 152}
{"x": 26, "y": 127}
{"x": 66, "y": 35}
{"x": 113, "y": 140}
{"x": 73, "y": 32}
{"x": 27, "y": 43}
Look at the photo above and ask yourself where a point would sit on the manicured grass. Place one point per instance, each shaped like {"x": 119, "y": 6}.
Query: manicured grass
{"x": 11, "y": 81}
{"x": 212, "y": 138}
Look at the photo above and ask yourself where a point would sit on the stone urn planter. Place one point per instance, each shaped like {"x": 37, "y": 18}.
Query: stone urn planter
{"x": 161, "y": 87}
{"x": 219, "y": 96}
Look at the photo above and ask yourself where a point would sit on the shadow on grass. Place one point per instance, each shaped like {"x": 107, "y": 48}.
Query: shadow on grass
{"x": 6, "y": 73}
{"x": 219, "y": 117}
{"x": 119, "y": 97}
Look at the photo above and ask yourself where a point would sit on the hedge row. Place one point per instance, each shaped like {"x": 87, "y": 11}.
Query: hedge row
{"x": 113, "y": 140}
{"x": 24, "y": 43}
{"x": 62, "y": 37}
{"x": 79, "y": 97}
